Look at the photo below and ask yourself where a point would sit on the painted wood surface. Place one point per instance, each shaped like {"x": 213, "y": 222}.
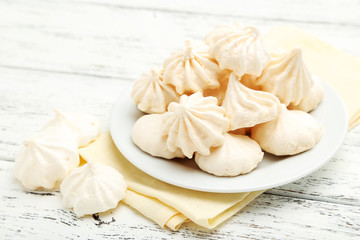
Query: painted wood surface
{"x": 80, "y": 55}
{"x": 94, "y": 37}
{"x": 269, "y": 216}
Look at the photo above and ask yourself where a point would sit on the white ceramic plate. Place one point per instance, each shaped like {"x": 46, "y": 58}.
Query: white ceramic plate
{"x": 271, "y": 172}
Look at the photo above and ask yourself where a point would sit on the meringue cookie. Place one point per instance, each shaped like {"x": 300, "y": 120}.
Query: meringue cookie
{"x": 145, "y": 134}
{"x": 151, "y": 94}
{"x": 245, "y": 107}
{"x": 238, "y": 155}
{"x": 194, "y": 124}
{"x": 240, "y": 49}
{"x": 241, "y": 131}
{"x": 220, "y": 32}
{"x": 93, "y": 188}
{"x": 47, "y": 158}
{"x": 291, "y": 133}
{"x": 191, "y": 69}
{"x": 287, "y": 77}
{"x": 84, "y": 125}
{"x": 219, "y": 93}
{"x": 310, "y": 102}
{"x": 250, "y": 82}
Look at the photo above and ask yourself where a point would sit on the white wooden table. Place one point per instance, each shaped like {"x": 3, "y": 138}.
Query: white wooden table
{"x": 78, "y": 55}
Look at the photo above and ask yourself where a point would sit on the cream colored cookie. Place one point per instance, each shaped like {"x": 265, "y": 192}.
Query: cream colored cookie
{"x": 47, "y": 158}
{"x": 192, "y": 69}
{"x": 151, "y": 94}
{"x": 220, "y": 32}
{"x": 194, "y": 124}
{"x": 237, "y": 48}
{"x": 219, "y": 93}
{"x": 287, "y": 77}
{"x": 310, "y": 102}
{"x": 85, "y": 126}
{"x": 93, "y": 188}
{"x": 291, "y": 133}
{"x": 238, "y": 155}
{"x": 245, "y": 107}
{"x": 146, "y": 134}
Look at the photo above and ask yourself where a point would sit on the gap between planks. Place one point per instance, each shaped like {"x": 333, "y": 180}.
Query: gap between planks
{"x": 84, "y": 74}
{"x": 284, "y": 20}
{"x": 309, "y": 197}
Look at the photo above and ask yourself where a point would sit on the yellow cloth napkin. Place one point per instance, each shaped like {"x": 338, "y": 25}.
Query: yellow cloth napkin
{"x": 169, "y": 205}
{"x": 166, "y": 204}
{"x": 340, "y": 70}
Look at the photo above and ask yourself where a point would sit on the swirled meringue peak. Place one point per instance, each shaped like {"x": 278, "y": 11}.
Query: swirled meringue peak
{"x": 240, "y": 49}
{"x": 191, "y": 69}
{"x": 194, "y": 124}
{"x": 145, "y": 134}
{"x": 93, "y": 188}
{"x": 151, "y": 94}
{"x": 47, "y": 158}
{"x": 220, "y": 32}
{"x": 246, "y": 107}
{"x": 85, "y": 126}
{"x": 292, "y": 132}
{"x": 238, "y": 155}
{"x": 310, "y": 102}
{"x": 287, "y": 77}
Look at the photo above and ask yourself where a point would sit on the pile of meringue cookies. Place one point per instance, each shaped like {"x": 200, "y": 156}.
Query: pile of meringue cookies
{"x": 225, "y": 100}
{"x": 51, "y": 157}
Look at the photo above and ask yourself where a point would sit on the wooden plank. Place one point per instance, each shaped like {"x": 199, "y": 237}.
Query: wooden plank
{"x": 31, "y": 214}
{"x": 94, "y": 38}
{"x": 336, "y": 182}
{"x": 321, "y": 12}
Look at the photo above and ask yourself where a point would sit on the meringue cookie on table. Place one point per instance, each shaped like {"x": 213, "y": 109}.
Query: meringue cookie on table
{"x": 237, "y": 48}
{"x": 245, "y": 107}
{"x": 194, "y": 124}
{"x": 287, "y": 77}
{"x": 47, "y": 158}
{"x": 151, "y": 94}
{"x": 145, "y": 134}
{"x": 85, "y": 126}
{"x": 238, "y": 155}
{"x": 292, "y": 132}
{"x": 191, "y": 69}
{"x": 93, "y": 188}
